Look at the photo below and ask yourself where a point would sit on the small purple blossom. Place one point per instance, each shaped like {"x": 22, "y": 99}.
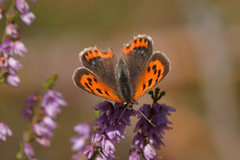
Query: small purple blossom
{"x": 19, "y": 48}
{"x": 149, "y": 152}
{"x": 78, "y": 143}
{"x": 43, "y": 141}
{"x": 6, "y": 47}
{"x": 27, "y": 18}
{"x": 28, "y": 150}
{"x": 83, "y": 129}
{"x": 13, "y": 65}
{"x": 13, "y": 80}
{"x": 51, "y": 102}
{"x": 42, "y": 130}
{"x": 12, "y": 30}
{"x": 22, "y": 6}
{"x": 138, "y": 142}
{"x": 134, "y": 156}
{"x": 4, "y": 131}
{"x": 88, "y": 151}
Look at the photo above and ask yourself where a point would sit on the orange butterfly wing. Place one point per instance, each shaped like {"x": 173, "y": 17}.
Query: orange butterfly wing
{"x": 86, "y": 80}
{"x": 156, "y": 69}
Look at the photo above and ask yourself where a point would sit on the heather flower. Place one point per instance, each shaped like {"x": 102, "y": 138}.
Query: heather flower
{"x": 4, "y": 131}
{"x": 78, "y": 143}
{"x": 13, "y": 80}
{"x": 108, "y": 149}
{"x": 88, "y": 152}
{"x": 154, "y": 137}
{"x": 13, "y": 65}
{"x": 83, "y": 129}
{"x": 149, "y": 152}
{"x": 98, "y": 138}
{"x": 51, "y": 102}
{"x": 49, "y": 122}
{"x": 19, "y": 48}
{"x": 28, "y": 150}
{"x": 21, "y": 6}
{"x": 27, "y": 18}
{"x": 45, "y": 142}
{"x": 134, "y": 156}
{"x": 138, "y": 142}
{"x": 12, "y": 30}
{"x": 6, "y": 47}
{"x": 41, "y": 130}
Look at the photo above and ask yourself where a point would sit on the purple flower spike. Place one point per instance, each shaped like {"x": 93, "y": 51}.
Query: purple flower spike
{"x": 88, "y": 152}
{"x": 12, "y": 30}
{"x": 13, "y": 65}
{"x": 138, "y": 142}
{"x": 134, "y": 156}
{"x": 28, "y": 150}
{"x": 149, "y": 152}
{"x": 4, "y": 131}
{"x": 83, "y": 129}
{"x": 13, "y": 80}
{"x": 27, "y": 18}
{"x": 19, "y": 48}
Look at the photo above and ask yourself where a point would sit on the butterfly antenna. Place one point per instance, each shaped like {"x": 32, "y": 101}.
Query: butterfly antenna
{"x": 120, "y": 116}
{"x": 145, "y": 117}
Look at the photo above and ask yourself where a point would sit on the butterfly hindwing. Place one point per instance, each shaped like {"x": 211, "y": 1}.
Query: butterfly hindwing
{"x": 136, "y": 55}
{"x": 102, "y": 63}
{"x": 88, "y": 81}
{"x": 156, "y": 69}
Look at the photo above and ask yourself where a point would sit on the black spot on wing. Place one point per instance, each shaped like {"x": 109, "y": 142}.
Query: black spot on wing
{"x": 154, "y": 67}
{"x": 99, "y": 91}
{"x": 148, "y": 69}
{"x": 106, "y": 93}
{"x": 95, "y": 80}
{"x": 89, "y": 87}
{"x": 149, "y": 82}
{"x": 144, "y": 86}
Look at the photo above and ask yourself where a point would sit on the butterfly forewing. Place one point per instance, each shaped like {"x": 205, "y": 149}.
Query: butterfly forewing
{"x": 136, "y": 55}
{"x": 88, "y": 81}
{"x": 102, "y": 63}
{"x": 157, "y": 68}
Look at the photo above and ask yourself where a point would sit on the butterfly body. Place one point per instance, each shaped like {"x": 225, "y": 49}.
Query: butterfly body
{"x": 125, "y": 80}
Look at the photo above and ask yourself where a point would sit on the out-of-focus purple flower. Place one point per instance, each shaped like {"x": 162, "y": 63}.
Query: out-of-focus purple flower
{"x": 13, "y": 65}
{"x": 49, "y": 122}
{"x": 4, "y": 131}
{"x": 76, "y": 157}
{"x": 43, "y": 141}
{"x": 41, "y": 130}
{"x": 134, "y": 156}
{"x": 21, "y": 6}
{"x": 88, "y": 151}
{"x": 78, "y": 143}
{"x": 27, "y": 18}
{"x": 13, "y": 80}
{"x": 12, "y": 30}
{"x": 108, "y": 149}
{"x": 19, "y": 48}
{"x": 149, "y": 152}
{"x": 28, "y": 150}
{"x": 27, "y": 113}
{"x": 6, "y": 47}
{"x": 83, "y": 129}
{"x": 51, "y": 102}
{"x": 138, "y": 142}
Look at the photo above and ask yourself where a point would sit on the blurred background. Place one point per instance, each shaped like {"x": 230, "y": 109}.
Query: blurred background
{"x": 201, "y": 39}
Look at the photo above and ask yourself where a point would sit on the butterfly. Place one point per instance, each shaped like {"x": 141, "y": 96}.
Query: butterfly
{"x": 124, "y": 80}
